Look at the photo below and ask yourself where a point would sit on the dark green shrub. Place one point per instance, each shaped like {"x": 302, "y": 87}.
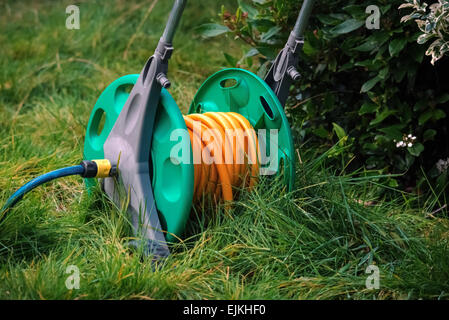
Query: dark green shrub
{"x": 376, "y": 86}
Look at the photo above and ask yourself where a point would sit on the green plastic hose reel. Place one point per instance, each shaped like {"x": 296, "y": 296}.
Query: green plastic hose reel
{"x": 172, "y": 184}
{"x": 229, "y": 90}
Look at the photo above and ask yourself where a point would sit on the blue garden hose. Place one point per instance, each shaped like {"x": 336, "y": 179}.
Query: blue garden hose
{"x": 65, "y": 172}
{"x": 87, "y": 169}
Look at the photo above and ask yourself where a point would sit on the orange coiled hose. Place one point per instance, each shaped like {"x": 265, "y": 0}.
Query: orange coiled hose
{"x": 231, "y": 141}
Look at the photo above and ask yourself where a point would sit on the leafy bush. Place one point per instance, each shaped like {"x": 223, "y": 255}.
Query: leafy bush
{"x": 375, "y": 86}
{"x": 433, "y": 22}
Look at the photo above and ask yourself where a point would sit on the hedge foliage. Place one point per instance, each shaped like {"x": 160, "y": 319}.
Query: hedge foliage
{"x": 370, "y": 89}
{"x": 433, "y": 21}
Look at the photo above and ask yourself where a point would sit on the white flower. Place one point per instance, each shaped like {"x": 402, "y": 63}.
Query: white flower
{"x": 407, "y": 141}
{"x": 442, "y": 165}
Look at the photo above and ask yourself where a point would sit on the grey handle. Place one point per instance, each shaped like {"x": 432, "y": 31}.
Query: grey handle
{"x": 303, "y": 18}
{"x": 283, "y": 71}
{"x": 173, "y": 21}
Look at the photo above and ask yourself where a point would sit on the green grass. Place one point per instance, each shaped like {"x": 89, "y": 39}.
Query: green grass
{"x": 312, "y": 243}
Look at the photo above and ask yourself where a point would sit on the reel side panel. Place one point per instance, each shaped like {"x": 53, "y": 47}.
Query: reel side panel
{"x": 172, "y": 180}
{"x": 240, "y": 91}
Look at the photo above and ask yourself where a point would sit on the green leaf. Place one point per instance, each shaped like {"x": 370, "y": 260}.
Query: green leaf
{"x": 332, "y": 64}
{"x": 438, "y": 114}
{"x": 263, "y": 69}
{"x": 399, "y": 74}
{"x": 347, "y": 26}
{"x": 429, "y": 134}
{"x": 426, "y": 116}
{"x": 270, "y": 34}
{"x": 268, "y": 52}
{"x": 231, "y": 60}
{"x": 396, "y": 46}
{"x": 367, "y": 46}
{"x": 252, "y": 12}
{"x": 381, "y": 117}
{"x": 262, "y": 24}
{"x": 356, "y": 11}
{"x": 309, "y": 50}
{"x": 383, "y": 73}
{"x": 425, "y": 37}
{"x": 339, "y": 16}
{"x": 210, "y": 30}
{"x": 444, "y": 98}
{"x": 421, "y": 104}
{"x": 341, "y": 134}
{"x": 329, "y": 101}
{"x": 367, "y": 86}
{"x": 416, "y": 149}
{"x": 393, "y": 132}
{"x": 365, "y": 63}
{"x": 393, "y": 183}
{"x": 251, "y": 53}
{"x": 367, "y": 107}
{"x": 385, "y": 8}
{"x": 321, "y": 132}
{"x": 406, "y": 5}
{"x": 327, "y": 19}
{"x": 373, "y": 42}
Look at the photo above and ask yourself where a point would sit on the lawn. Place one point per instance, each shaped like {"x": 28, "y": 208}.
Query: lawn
{"x": 315, "y": 242}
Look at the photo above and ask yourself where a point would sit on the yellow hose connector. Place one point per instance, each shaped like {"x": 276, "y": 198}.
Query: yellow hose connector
{"x": 103, "y": 168}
